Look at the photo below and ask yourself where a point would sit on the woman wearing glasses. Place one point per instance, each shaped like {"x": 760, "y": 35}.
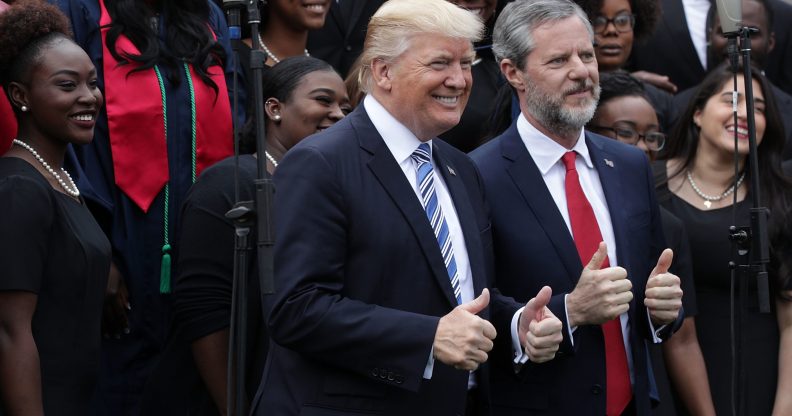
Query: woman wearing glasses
{"x": 618, "y": 25}
{"x": 625, "y": 114}
{"x": 698, "y": 184}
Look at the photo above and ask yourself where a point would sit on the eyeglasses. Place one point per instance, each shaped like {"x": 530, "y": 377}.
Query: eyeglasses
{"x": 623, "y": 23}
{"x": 654, "y": 139}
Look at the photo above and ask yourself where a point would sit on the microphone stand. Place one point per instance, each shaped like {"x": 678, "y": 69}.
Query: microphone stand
{"x": 247, "y": 214}
{"x": 750, "y": 243}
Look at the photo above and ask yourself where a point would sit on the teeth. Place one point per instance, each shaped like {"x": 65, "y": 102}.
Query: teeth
{"x": 446, "y": 100}
{"x": 315, "y": 7}
{"x": 740, "y": 130}
{"x": 83, "y": 117}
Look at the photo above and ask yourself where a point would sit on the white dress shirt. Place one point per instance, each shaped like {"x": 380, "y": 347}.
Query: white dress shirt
{"x": 696, "y": 16}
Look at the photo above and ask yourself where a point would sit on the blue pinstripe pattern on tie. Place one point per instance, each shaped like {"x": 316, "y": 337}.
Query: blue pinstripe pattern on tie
{"x": 434, "y": 212}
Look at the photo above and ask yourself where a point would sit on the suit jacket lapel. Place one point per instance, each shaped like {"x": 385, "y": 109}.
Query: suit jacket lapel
{"x": 466, "y": 216}
{"x": 390, "y": 175}
{"x": 336, "y": 16}
{"x": 676, "y": 24}
{"x": 526, "y": 176}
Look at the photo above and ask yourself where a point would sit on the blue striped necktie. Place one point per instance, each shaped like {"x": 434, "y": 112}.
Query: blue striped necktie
{"x": 425, "y": 176}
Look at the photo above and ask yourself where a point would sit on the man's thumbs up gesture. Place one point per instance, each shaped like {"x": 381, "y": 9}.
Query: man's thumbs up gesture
{"x": 540, "y": 330}
{"x": 663, "y": 294}
{"x": 600, "y": 294}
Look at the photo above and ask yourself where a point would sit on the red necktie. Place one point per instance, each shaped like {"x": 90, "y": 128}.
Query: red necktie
{"x": 587, "y": 235}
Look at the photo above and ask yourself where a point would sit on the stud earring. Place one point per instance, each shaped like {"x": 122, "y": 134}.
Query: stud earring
{"x": 276, "y": 117}
{"x": 23, "y": 108}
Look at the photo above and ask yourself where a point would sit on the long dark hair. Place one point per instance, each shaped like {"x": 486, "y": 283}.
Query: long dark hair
{"x": 776, "y": 188}
{"x": 187, "y": 36}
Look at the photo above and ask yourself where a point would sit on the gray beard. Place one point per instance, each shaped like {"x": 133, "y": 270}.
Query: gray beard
{"x": 550, "y": 112}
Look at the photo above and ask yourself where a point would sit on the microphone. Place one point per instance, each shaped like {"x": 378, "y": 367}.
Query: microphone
{"x": 730, "y": 14}
{"x": 232, "y": 8}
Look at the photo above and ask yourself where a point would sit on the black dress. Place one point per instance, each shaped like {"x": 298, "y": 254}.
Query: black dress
{"x": 202, "y": 293}
{"x": 712, "y": 250}
{"x": 51, "y": 245}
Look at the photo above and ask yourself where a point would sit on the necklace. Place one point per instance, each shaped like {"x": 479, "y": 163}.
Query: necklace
{"x": 272, "y": 55}
{"x": 271, "y": 159}
{"x": 709, "y": 199}
{"x": 73, "y": 191}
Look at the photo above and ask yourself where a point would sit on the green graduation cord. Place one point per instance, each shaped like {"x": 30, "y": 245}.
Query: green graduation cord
{"x": 166, "y": 264}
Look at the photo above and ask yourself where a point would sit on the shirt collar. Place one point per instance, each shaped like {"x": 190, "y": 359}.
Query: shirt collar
{"x": 400, "y": 140}
{"x": 544, "y": 150}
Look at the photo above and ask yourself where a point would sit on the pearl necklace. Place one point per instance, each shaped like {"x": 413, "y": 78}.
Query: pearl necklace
{"x": 272, "y": 55}
{"x": 709, "y": 199}
{"x": 73, "y": 191}
{"x": 271, "y": 159}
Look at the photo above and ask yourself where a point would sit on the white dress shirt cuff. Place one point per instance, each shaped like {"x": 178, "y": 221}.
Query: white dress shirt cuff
{"x": 520, "y": 357}
{"x": 571, "y": 328}
{"x": 655, "y": 338}
{"x": 427, "y": 375}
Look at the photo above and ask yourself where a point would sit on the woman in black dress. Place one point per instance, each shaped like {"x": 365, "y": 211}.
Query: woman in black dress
{"x": 302, "y": 95}
{"x": 55, "y": 258}
{"x": 698, "y": 184}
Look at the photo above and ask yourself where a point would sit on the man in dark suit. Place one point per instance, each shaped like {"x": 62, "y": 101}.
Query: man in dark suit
{"x": 340, "y": 41}
{"x": 561, "y": 199}
{"x": 757, "y": 14}
{"x": 670, "y": 51}
{"x": 384, "y": 242}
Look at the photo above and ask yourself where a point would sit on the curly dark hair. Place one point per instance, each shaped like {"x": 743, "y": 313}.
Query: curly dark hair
{"x": 26, "y": 29}
{"x": 646, "y": 14}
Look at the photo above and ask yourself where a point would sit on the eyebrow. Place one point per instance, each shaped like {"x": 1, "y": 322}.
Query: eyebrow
{"x": 72, "y": 72}
{"x": 324, "y": 90}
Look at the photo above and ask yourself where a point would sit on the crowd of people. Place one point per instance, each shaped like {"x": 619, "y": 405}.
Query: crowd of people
{"x": 481, "y": 207}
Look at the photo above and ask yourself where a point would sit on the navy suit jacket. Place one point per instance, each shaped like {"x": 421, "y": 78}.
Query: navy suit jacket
{"x": 533, "y": 248}
{"x": 360, "y": 281}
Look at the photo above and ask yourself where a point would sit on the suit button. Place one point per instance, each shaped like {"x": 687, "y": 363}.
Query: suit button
{"x": 399, "y": 379}
{"x": 383, "y": 374}
{"x": 390, "y": 375}
{"x": 348, "y": 48}
{"x": 596, "y": 389}
{"x": 375, "y": 372}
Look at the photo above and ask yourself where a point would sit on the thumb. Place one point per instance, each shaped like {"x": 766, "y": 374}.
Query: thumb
{"x": 599, "y": 257}
{"x": 663, "y": 263}
{"x": 536, "y": 305}
{"x": 477, "y": 305}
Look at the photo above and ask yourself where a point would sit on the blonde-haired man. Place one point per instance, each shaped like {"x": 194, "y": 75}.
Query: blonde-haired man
{"x": 383, "y": 256}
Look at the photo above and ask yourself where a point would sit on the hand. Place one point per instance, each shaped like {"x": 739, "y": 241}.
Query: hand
{"x": 116, "y": 305}
{"x": 663, "y": 294}
{"x": 659, "y": 81}
{"x": 540, "y": 330}
{"x": 463, "y": 339}
{"x": 600, "y": 294}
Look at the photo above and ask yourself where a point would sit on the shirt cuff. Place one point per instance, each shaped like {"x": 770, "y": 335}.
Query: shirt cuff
{"x": 520, "y": 357}
{"x": 655, "y": 337}
{"x": 429, "y": 369}
{"x": 571, "y": 328}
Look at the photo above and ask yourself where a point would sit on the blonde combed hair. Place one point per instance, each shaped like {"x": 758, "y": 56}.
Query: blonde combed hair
{"x": 397, "y": 21}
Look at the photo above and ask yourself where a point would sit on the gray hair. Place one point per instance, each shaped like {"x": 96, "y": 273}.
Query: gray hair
{"x": 512, "y": 37}
{"x": 393, "y": 25}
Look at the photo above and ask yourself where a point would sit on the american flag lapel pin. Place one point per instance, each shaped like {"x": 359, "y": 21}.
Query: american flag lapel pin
{"x": 609, "y": 163}
{"x": 451, "y": 171}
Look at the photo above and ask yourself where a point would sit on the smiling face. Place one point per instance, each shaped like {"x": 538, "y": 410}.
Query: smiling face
{"x": 559, "y": 86}
{"x": 61, "y": 94}
{"x": 301, "y": 14}
{"x": 319, "y": 101}
{"x": 427, "y": 87}
{"x": 614, "y": 45}
{"x": 716, "y": 122}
